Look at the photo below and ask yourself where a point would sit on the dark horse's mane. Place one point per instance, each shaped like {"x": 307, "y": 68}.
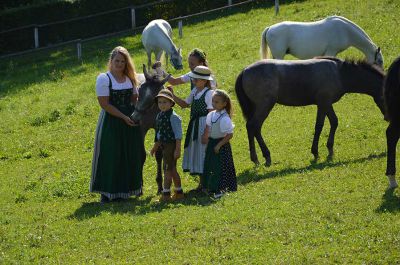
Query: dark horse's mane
{"x": 356, "y": 62}
{"x": 392, "y": 92}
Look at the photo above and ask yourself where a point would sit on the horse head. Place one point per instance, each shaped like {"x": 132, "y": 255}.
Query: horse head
{"x": 378, "y": 58}
{"x": 147, "y": 93}
{"x": 176, "y": 59}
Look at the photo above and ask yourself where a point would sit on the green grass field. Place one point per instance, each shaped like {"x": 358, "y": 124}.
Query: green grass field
{"x": 293, "y": 212}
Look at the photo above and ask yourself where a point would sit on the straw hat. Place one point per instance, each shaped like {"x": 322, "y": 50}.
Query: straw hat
{"x": 201, "y": 72}
{"x": 165, "y": 93}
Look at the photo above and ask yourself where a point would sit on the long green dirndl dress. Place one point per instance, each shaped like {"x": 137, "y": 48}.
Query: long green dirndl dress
{"x": 219, "y": 169}
{"x": 119, "y": 152}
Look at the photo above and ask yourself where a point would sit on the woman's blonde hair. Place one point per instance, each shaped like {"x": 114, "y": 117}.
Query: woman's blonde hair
{"x": 129, "y": 66}
{"x": 221, "y": 93}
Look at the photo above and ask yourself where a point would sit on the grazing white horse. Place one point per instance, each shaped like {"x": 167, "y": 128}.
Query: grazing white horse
{"x": 156, "y": 38}
{"x": 326, "y": 37}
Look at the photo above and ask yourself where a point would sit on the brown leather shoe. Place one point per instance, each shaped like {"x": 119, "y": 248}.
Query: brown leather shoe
{"x": 177, "y": 196}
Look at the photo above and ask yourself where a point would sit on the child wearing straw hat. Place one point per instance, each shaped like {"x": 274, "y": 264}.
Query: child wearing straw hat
{"x": 200, "y": 102}
{"x": 168, "y": 135}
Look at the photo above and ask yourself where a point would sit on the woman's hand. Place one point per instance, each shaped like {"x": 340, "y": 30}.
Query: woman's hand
{"x": 128, "y": 121}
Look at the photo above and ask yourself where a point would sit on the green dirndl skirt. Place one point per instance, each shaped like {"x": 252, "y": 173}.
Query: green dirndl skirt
{"x": 118, "y": 158}
{"x": 219, "y": 170}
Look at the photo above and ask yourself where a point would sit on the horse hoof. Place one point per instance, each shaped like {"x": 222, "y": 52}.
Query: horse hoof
{"x": 267, "y": 163}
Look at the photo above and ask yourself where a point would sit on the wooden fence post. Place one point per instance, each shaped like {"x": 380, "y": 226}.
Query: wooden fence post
{"x": 133, "y": 18}
{"x": 180, "y": 25}
{"x": 229, "y": 2}
{"x": 79, "y": 49}
{"x": 276, "y": 7}
{"x": 36, "y": 36}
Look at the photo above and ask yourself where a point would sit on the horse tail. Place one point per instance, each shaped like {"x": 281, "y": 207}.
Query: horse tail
{"x": 264, "y": 45}
{"x": 392, "y": 91}
{"x": 245, "y": 104}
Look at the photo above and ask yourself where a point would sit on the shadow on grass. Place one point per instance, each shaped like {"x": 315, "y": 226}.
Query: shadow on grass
{"x": 390, "y": 202}
{"x": 251, "y": 175}
{"x": 138, "y": 206}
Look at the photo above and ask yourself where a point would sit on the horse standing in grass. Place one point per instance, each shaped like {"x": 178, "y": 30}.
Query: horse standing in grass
{"x": 327, "y": 37}
{"x": 156, "y": 38}
{"x": 146, "y": 111}
{"x": 392, "y": 104}
{"x": 320, "y": 81}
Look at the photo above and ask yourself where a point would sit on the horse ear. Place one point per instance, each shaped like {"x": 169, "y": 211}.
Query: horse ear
{"x": 165, "y": 79}
{"x": 379, "y": 49}
{"x": 146, "y": 74}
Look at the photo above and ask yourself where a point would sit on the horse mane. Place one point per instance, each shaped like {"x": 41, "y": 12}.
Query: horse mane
{"x": 392, "y": 91}
{"x": 168, "y": 37}
{"x": 356, "y": 63}
{"x": 353, "y": 24}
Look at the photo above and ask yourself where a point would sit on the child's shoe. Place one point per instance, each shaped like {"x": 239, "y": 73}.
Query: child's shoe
{"x": 177, "y": 196}
{"x": 165, "y": 196}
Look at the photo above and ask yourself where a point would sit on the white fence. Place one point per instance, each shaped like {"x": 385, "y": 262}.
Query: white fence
{"x": 78, "y": 42}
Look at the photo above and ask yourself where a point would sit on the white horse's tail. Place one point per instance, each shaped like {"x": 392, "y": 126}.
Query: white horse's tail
{"x": 264, "y": 49}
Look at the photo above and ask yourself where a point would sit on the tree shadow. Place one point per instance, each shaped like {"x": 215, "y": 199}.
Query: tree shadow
{"x": 138, "y": 206}
{"x": 390, "y": 202}
{"x": 252, "y": 175}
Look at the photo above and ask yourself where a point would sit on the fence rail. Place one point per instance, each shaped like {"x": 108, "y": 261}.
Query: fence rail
{"x": 133, "y": 9}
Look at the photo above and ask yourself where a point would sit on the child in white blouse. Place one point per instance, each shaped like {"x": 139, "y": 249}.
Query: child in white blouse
{"x": 219, "y": 170}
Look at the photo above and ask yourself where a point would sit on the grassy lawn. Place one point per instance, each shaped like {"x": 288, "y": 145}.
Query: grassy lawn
{"x": 293, "y": 212}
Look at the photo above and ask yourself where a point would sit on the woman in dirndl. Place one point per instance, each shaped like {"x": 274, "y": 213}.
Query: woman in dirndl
{"x": 119, "y": 153}
{"x": 219, "y": 175}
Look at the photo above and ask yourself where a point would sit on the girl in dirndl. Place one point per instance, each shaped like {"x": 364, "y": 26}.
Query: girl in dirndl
{"x": 200, "y": 102}
{"x": 219, "y": 173}
{"x": 119, "y": 154}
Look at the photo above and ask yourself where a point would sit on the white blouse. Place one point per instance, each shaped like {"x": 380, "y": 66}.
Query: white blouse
{"x": 226, "y": 125}
{"x": 103, "y": 81}
{"x": 207, "y": 98}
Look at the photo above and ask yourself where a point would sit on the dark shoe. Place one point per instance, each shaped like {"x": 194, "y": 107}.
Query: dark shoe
{"x": 104, "y": 199}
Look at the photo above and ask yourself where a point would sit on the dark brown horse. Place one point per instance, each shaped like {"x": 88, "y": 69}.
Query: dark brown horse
{"x": 392, "y": 104}
{"x": 321, "y": 81}
{"x": 146, "y": 111}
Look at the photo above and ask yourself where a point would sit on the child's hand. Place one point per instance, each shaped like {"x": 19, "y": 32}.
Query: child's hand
{"x": 153, "y": 150}
{"x": 216, "y": 148}
{"x": 177, "y": 153}
{"x": 204, "y": 139}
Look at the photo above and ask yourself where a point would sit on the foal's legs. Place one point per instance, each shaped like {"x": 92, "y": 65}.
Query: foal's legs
{"x": 392, "y": 137}
{"x": 333, "y": 120}
{"x": 254, "y": 126}
{"x": 319, "y": 124}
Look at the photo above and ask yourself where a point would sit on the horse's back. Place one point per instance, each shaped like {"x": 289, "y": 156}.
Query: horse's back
{"x": 308, "y": 39}
{"x": 291, "y": 83}
{"x": 392, "y": 92}
{"x": 154, "y": 31}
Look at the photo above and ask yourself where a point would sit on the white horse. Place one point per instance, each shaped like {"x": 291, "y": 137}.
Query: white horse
{"x": 157, "y": 37}
{"x": 326, "y": 37}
